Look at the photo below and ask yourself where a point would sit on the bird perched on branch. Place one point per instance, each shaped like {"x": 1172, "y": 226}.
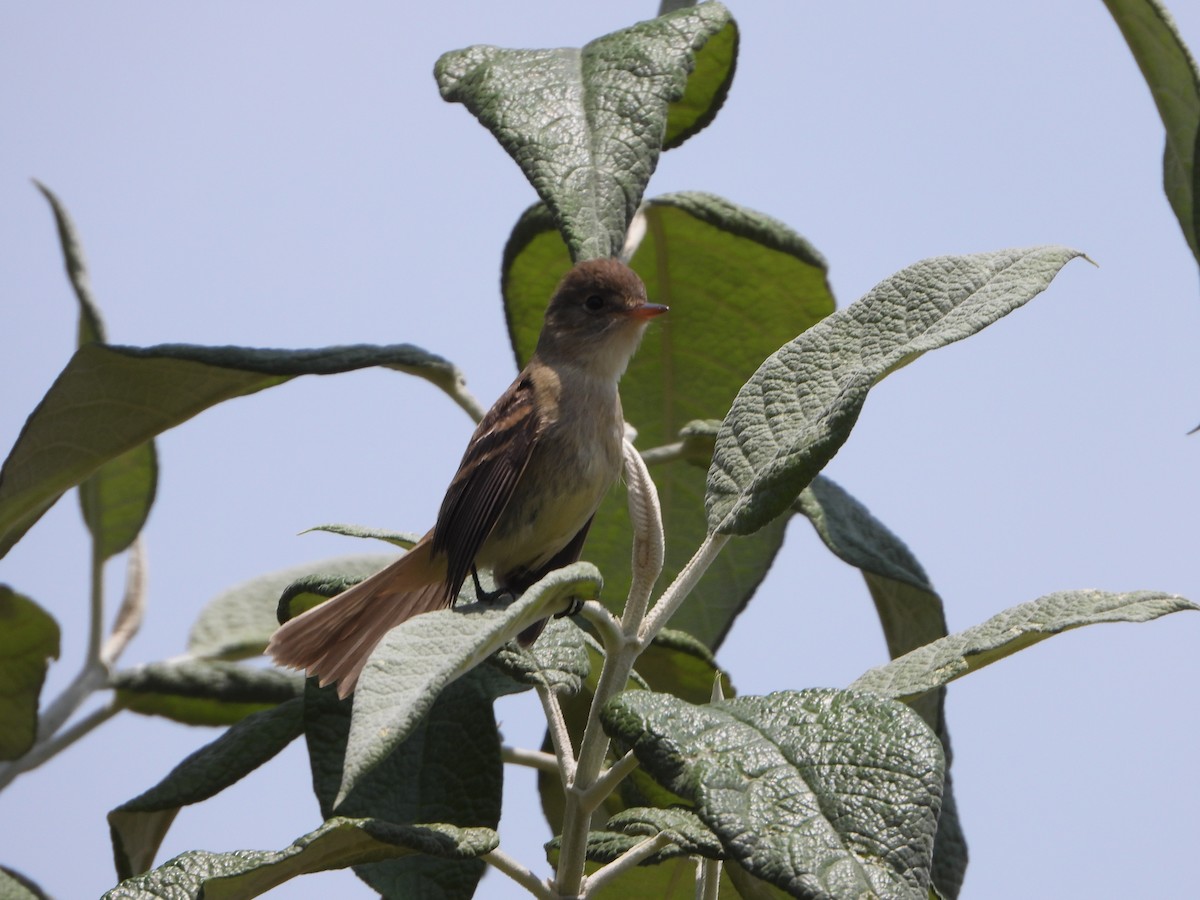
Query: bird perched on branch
{"x": 532, "y": 477}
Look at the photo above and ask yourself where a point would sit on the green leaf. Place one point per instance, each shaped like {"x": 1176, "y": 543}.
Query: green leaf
{"x": 405, "y": 539}
{"x": 790, "y": 418}
{"x": 117, "y": 499}
{"x": 139, "y": 826}
{"x": 1174, "y": 81}
{"x": 200, "y": 692}
{"x": 28, "y": 641}
{"x": 687, "y": 832}
{"x": 586, "y": 126}
{"x": 91, "y": 326}
{"x": 418, "y": 658}
{"x": 910, "y": 611}
{"x": 15, "y": 886}
{"x": 237, "y": 623}
{"x": 558, "y": 659}
{"x": 821, "y": 793}
{"x": 911, "y": 614}
{"x": 110, "y": 400}
{"x": 448, "y": 769}
{"x": 707, "y": 87}
{"x": 1014, "y": 629}
{"x": 335, "y": 845}
{"x": 676, "y": 663}
{"x": 718, "y": 266}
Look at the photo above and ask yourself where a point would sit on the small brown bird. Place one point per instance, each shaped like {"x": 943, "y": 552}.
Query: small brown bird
{"x": 531, "y": 479}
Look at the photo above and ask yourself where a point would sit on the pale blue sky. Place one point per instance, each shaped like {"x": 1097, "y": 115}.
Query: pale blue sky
{"x": 285, "y": 174}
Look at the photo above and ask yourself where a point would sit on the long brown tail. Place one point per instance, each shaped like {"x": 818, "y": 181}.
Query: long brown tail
{"x": 334, "y": 640}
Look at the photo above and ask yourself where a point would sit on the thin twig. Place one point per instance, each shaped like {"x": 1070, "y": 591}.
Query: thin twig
{"x": 597, "y": 615}
{"x": 96, "y": 611}
{"x": 708, "y": 874}
{"x": 519, "y": 873}
{"x": 133, "y": 605}
{"x": 534, "y": 759}
{"x": 44, "y": 750}
{"x": 607, "y": 783}
{"x": 682, "y": 586}
{"x": 665, "y": 453}
{"x": 626, "y": 860}
{"x": 560, "y": 735}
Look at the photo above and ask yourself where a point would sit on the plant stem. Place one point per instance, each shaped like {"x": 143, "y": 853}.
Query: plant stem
{"x": 622, "y": 646}
{"x": 627, "y": 860}
{"x": 54, "y": 744}
{"x": 682, "y": 586}
{"x": 500, "y": 860}
{"x": 607, "y": 783}
{"x": 560, "y": 736}
{"x": 709, "y": 872}
{"x": 96, "y": 623}
{"x": 534, "y": 759}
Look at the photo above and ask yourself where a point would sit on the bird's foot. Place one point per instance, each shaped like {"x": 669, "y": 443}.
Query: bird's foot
{"x": 491, "y": 598}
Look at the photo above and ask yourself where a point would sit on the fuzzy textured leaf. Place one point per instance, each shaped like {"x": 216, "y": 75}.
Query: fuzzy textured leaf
{"x": 1014, "y": 629}
{"x": 586, "y": 125}
{"x": 821, "y": 793}
{"x": 911, "y": 614}
{"x": 138, "y": 827}
{"x": 418, "y": 658}
{"x": 1173, "y": 77}
{"x": 449, "y": 768}
{"x": 111, "y": 399}
{"x": 337, "y": 844}
{"x": 29, "y": 639}
{"x": 558, "y": 659}
{"x": 237, "y": 623}
{"x": 199, "y": 692}
{"x": 791, "y": 417}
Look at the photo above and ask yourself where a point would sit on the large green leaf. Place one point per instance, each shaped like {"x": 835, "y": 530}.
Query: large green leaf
{"x": 335, "y": 845}
{"x": 116, "y": 500}
{"x": 417, "y": 659}
{"x": 911, "y": 614}
{"x": 139, "y": 826}
{"x": 790, "y": 418}
{"x": 237, "y": 623}
{"x": 586, "y": 125}
{"x": 110, "y": 400}
{"x": 448, "y": 769}
{"x": 739, "y": 284}
{"x": 1005, "y": 633}
{"x": 203, "y": 692}
{"x": 28, "y": 641}
{"x": 822, "y": 793}
{"x": 1174, "y": 81}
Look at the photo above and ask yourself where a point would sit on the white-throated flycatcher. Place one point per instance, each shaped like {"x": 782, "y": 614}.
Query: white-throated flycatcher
{"x": 532, "y": 477}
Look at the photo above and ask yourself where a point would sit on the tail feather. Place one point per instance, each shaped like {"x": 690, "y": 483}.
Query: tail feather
{"x": 334, "y": 640}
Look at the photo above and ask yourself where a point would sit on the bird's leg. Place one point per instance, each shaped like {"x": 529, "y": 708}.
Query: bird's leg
{"x": 489, "y": 597}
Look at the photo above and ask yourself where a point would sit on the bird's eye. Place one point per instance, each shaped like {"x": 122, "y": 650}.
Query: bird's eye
{"x": 594, "y": 303}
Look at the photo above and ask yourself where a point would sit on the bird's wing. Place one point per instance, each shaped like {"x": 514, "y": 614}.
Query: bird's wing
{"x": 486, "y": 478}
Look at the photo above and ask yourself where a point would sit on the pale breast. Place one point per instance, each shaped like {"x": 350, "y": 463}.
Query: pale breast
{"x": 574, "y": 463}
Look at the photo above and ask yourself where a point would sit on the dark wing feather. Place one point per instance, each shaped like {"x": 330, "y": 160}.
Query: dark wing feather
{"x": 486, "y": 478}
